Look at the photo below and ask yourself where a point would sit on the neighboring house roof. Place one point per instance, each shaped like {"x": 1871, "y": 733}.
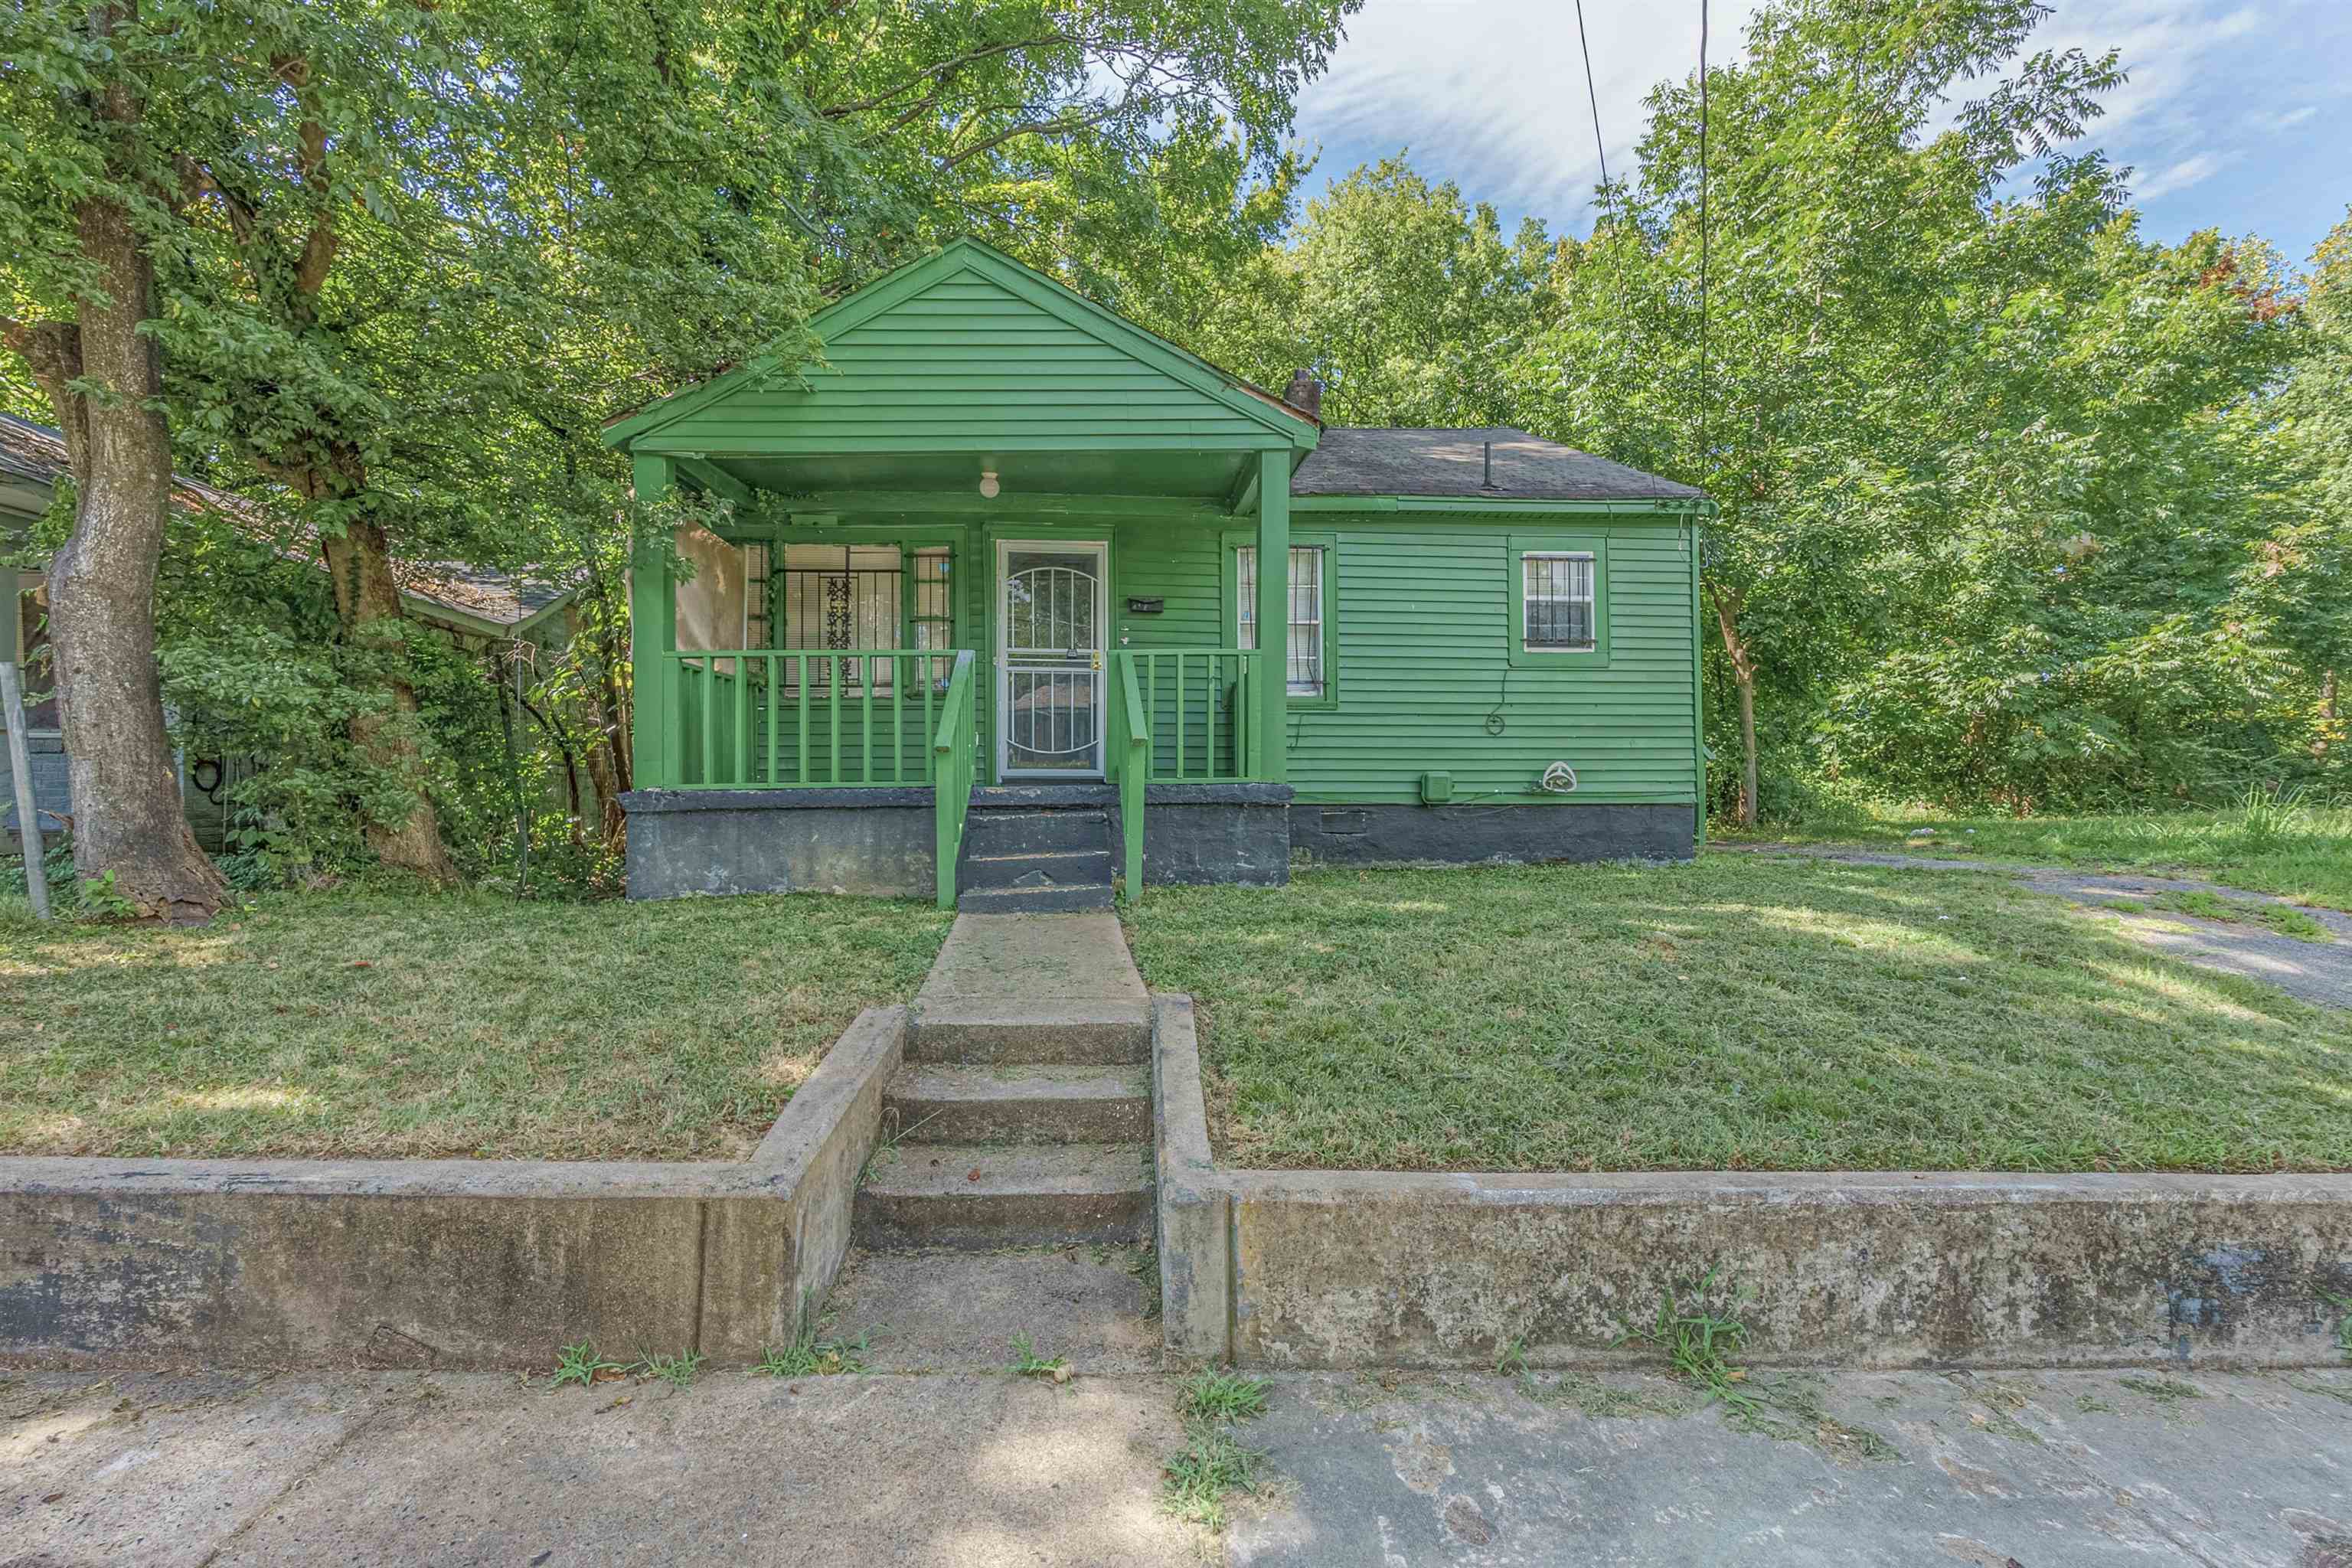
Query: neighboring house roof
{"x": 1357, "y": 462}
{"x": 449, "y": 593}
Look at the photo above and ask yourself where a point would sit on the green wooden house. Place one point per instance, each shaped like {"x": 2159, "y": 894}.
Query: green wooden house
{"x": 981, "y": 619}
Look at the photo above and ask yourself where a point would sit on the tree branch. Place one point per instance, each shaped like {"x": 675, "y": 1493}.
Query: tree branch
{"x": 318, "y": 245}
{"x": 942, "y": 70}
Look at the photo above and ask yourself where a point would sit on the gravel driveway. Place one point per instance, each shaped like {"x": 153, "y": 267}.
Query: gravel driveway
{"x": 2318, "y": 971}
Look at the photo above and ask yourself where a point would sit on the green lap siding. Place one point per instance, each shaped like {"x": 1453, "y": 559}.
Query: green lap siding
{"x": 1426, "y": 612}
{"x": 966, "y": 361}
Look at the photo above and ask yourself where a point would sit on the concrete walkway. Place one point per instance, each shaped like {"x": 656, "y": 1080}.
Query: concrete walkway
{"x": 2317, "y": 972}
{"x": 1014, "y": 960}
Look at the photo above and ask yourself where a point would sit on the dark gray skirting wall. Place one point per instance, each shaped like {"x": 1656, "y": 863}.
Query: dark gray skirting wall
{"x": 1199, "y": 834}
{"x": 878, "y": 842}
{"x": 1466, "y": 835}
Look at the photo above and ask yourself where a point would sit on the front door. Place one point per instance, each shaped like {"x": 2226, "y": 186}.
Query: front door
{"x": 1050, "y": 612}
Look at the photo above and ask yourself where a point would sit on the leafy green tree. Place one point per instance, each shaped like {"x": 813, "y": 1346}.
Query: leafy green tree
{"x": 421, "y": 242}
{"x": 2311, "y": 560}
{"x": 92, "y": 101}
{"x": 2104, "y": 624}
{"x": 1841, "y": 228}
{"x": 1402, "y": 299}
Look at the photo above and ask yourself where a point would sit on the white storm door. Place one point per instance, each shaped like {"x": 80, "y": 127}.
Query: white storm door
{"x": 1050, "y": 609}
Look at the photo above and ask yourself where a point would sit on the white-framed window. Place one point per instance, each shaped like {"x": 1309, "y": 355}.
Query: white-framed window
{"x": 1306, "y": 663}
{"x": 1558, "y": 602}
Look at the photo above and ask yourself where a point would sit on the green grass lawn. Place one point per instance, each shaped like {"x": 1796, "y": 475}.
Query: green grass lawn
{"x": 1736, "y": 1013}
{"x": 409, "y": 1025}
{"x": 2303, "y": 853}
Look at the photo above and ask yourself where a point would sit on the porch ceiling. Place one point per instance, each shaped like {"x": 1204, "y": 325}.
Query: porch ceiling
{"x": 1189, "y": 475}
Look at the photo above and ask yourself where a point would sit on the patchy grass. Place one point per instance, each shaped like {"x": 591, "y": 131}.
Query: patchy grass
{"x": 1736, "y": 1013}
{"x": 379, "y": 1023}
{"x": 1197, "y": 1479}
{"x": 2294, "y": 851}
{"x": 2206, "y": 906}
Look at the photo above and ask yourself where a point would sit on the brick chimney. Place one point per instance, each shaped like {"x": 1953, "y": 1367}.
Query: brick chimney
{"x": 1306, "y": 394}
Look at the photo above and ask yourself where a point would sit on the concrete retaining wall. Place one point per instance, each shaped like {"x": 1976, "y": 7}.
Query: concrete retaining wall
{"x": 1347, "y": 1269}
{"x": 442, "y": 1263}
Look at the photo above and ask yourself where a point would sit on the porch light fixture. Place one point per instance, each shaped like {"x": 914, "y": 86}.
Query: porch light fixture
{"x": 988, "y": 485}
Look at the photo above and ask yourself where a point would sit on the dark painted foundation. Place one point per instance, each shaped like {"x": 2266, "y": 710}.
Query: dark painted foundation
{"x": 1468, "y": 835}
{"x": 1199, "y": 834}
{"x": 877, "y": 842}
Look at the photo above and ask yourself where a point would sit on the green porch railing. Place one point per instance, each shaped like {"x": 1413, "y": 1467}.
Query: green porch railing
{"x": 1177, "y": 715}
{"x": 1196, "y": 707}
{"x": 955, "y": 753}
{"x": 782, "y": 718}
{"x": 1132, "y": 731}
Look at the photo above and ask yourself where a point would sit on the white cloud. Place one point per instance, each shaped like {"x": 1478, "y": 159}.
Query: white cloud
{"x": 1491, "y": 93}
{"x": 2178, "y": 177}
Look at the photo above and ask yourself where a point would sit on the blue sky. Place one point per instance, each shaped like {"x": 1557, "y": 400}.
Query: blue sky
{"x": 2238, "y": 113}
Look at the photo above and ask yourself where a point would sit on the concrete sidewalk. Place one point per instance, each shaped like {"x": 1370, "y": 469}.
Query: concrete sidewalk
{"x": 972, "y": 1467}
{"x": 2025, "y": 1470}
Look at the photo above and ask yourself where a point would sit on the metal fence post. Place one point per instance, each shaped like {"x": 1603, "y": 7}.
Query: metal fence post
{"x": 29, "y": 810}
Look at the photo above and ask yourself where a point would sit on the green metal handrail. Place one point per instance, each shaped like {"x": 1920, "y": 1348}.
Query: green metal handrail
{"x": 793, "y": 717}
{"x": 1134, "y": 768}
{"x": 954, "y": 754}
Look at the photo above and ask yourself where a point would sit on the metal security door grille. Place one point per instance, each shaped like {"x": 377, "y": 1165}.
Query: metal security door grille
{"x": 1050, "y": 687}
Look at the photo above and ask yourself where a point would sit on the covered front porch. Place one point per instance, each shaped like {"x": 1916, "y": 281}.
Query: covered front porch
{"x": 1003, "y": 539}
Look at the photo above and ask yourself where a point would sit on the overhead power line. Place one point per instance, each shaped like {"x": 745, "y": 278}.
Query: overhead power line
{"x": 1594, "y": 97}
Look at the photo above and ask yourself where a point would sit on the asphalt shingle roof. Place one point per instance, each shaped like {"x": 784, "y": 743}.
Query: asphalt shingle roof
{"x": 1356, "y": 461}
{"x": 37, "y": 453}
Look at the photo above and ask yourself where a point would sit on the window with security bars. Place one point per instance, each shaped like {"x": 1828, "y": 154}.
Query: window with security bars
{"x": 846, "y": 598}
{"x": 1556, "y": 602}
{"x": 1306, "y": 671}
{"x": 755, "y": 595}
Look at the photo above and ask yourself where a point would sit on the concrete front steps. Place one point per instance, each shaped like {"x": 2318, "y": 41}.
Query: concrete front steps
{"x": 1038, "y": 849}
{"x": 1021, "y": 1113}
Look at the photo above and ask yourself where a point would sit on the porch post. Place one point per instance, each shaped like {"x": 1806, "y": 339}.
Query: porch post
{"x": 652, "y": 633}
{"x": 1273, "y": 614}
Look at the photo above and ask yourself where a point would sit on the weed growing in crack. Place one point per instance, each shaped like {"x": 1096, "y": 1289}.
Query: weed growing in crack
{"x": 1223, "y": 1395}
{"x": 809, "y": 1356}
{"x": 1513, "y": 1357}
{"x": 1198, "y": 1478}
{"x": 580, "y": 1364}
{"x": 1593, "y": 1397}
{"x": 677, "y": 1371}
{"x": 1697, "y": 1342}
{"x": 1146, "y": 1268}
{"x": 2163, "y": 1390}
{"x": 1027, "y": 1363}
{"x": 1214, "y": 1464}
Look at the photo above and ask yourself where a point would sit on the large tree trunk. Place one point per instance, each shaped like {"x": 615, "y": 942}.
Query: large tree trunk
{"x": 127, "y": 815}
{"x": 367, "y": 599}
{"x": 1743, "y": 675}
